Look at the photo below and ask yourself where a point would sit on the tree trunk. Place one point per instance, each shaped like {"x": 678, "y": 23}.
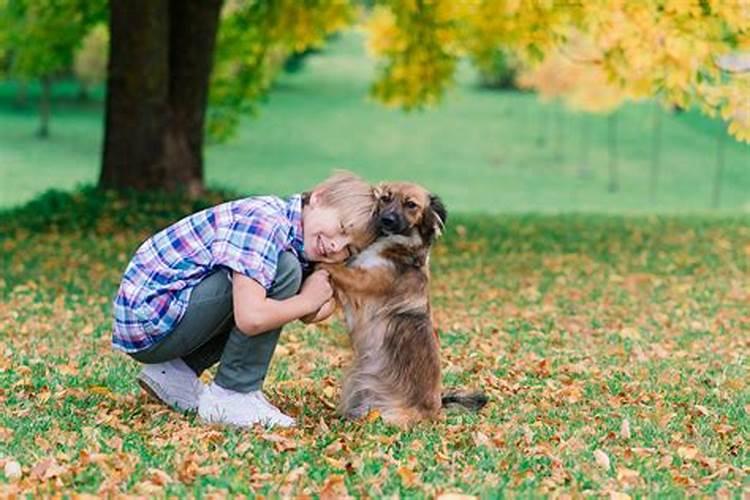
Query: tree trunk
{"x": 655, "y": 153}
{"x": 157, "y": 90}
{"x": 716, "y": 196}
{"x": 22, "y": 95}
{"x": 44, "y": 108}
{"x": 559, "y": 133}
{"x": 584, "y": 168}
{"x": 614, "y": 183}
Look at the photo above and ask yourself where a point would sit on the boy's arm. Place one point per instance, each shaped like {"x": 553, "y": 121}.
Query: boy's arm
{"x": 255, "y": 313}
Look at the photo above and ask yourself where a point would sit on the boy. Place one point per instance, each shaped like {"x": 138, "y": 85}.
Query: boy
{"x": 218, "y": 285}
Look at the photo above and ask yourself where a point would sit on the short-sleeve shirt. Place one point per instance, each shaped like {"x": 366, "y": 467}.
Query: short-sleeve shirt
{"x": 245, "y": 236}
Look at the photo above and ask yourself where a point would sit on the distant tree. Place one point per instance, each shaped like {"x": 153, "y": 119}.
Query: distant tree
{"x": 90, "y": 65}
{"x": 41, "y": 37}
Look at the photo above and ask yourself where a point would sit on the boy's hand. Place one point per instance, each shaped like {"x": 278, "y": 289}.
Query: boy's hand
{"x": 321, "y": 314}
{"x": 317, "y": 290}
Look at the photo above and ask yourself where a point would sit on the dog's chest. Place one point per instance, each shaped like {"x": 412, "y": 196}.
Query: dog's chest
{"x": 372, "y": 256}
{"x": 370, "y": 259}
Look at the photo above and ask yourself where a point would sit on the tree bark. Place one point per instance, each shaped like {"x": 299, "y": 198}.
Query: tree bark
{"x": 157, "y": 90}
{"x": 719, "y": 173}
{"x": 655, "y": 152}
{"x": 614, "y": 183}
{"x": 44, "y": 107}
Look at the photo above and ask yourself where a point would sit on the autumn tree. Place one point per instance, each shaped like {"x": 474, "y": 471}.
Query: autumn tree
{"x": 162, "y": 53}
{"x": 670, "y": 49}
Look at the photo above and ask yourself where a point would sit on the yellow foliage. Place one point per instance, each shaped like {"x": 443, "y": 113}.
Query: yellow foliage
{"x": 592, "y": 54}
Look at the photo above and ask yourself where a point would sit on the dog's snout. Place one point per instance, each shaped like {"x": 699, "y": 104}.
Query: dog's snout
{"x": 389, "y": 220}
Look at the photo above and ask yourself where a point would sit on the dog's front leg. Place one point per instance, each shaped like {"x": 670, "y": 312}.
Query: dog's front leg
{"x": 370, "y": 281}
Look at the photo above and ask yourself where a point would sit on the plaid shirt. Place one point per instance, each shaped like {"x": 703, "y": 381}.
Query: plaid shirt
{"x": 245, "y": 236}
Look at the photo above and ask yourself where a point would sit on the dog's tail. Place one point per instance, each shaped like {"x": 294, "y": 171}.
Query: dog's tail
{"x": 472, "y": 401}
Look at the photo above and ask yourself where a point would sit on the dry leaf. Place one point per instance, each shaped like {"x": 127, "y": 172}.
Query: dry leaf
{"x": 687, "y": 452}
{"x": 12, "y": 470}
{"x": 481, "y": 439}
{"x": 618, "y": 495}
{"x": 628, "y": 477}
{"x": 625, "y": 429}
{"x": 334, "y": 489}
{"x": 602, "y": 460}
{"x": 408, "y": 478}
{"x": 280, "y": 443}
{"x": 159, "y": 477}
{"x": 372, "y": 415}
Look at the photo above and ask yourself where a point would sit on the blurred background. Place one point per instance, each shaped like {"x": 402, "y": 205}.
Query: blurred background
{"x": 494, "y": 117}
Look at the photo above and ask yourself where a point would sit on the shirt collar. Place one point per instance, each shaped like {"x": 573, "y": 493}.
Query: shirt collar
{"x": 294, "y": 214}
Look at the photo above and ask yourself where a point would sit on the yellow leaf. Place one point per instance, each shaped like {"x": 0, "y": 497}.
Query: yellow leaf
{"x": 408, "y": 478}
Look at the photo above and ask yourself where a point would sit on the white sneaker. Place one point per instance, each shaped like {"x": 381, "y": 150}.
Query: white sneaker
{"x": 173, "y": 383}
{"x": 223, "y": 406}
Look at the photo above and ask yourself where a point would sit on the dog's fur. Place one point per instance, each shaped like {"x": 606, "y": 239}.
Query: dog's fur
{"x": 384, "y": 292}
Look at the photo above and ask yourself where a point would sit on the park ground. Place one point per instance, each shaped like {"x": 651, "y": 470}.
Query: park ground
{"x": 613, "y": 346}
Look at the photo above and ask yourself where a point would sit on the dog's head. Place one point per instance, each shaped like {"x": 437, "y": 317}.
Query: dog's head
{"x": 404, "y": 206}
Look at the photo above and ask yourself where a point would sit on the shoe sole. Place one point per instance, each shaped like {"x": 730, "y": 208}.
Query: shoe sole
{"x": 152, "y": 388}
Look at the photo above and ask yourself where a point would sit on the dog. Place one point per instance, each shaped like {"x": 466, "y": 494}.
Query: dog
{"x": 384, "y": 293}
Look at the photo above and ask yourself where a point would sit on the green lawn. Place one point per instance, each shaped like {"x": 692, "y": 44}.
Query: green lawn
{"x": 614, "y": 346}
{"x": 482, "y": 151}
{"x": 614, "y": 351}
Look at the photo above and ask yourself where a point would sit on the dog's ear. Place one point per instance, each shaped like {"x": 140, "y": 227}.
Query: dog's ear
{"x": 433, "y": 220}
{"x": 437, "y": 206}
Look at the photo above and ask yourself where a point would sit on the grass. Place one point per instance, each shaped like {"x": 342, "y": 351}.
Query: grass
{"x": 573, "y": 324}
{"x": 482, "y": 151}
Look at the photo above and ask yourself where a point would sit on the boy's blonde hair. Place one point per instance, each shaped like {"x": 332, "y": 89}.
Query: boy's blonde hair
{"x": 355, "y": 201}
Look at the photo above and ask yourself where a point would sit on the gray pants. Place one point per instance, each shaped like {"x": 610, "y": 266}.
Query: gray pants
{"x": 207, "y": 334}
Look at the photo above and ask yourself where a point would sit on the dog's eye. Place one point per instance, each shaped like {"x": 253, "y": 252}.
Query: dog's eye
{"x": 386, "y": 197}
{"x": 410, "y": 205}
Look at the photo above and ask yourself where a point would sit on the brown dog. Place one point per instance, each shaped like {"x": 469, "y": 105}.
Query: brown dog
{"x": 384, "y": 292}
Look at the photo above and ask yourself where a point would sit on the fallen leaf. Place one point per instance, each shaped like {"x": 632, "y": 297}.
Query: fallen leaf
{"x": 481, "y": 439}
{"x": 159, "y": 477}
{"x": 602, "y": 460}
{"x": 628, "y": 477}
{"x": 408, "y": 478}
{"x": 12, "y": 470}
{"x": 334, "y": 489}
{"x": 687, "y": 452}
{"x": 280, "y": 443}
{"x": 625, "y": 429}
{"x": 618, "y": 495}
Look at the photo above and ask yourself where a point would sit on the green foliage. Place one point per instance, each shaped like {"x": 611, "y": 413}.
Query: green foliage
{"x": 91, "y": 57}
{"x": 254, "y": 41}
{"x": 497, "y": 69}
{"x": 41, "y": 36}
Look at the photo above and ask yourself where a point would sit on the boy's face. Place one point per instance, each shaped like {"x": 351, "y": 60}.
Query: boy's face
{"x": 326, "y": 239}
